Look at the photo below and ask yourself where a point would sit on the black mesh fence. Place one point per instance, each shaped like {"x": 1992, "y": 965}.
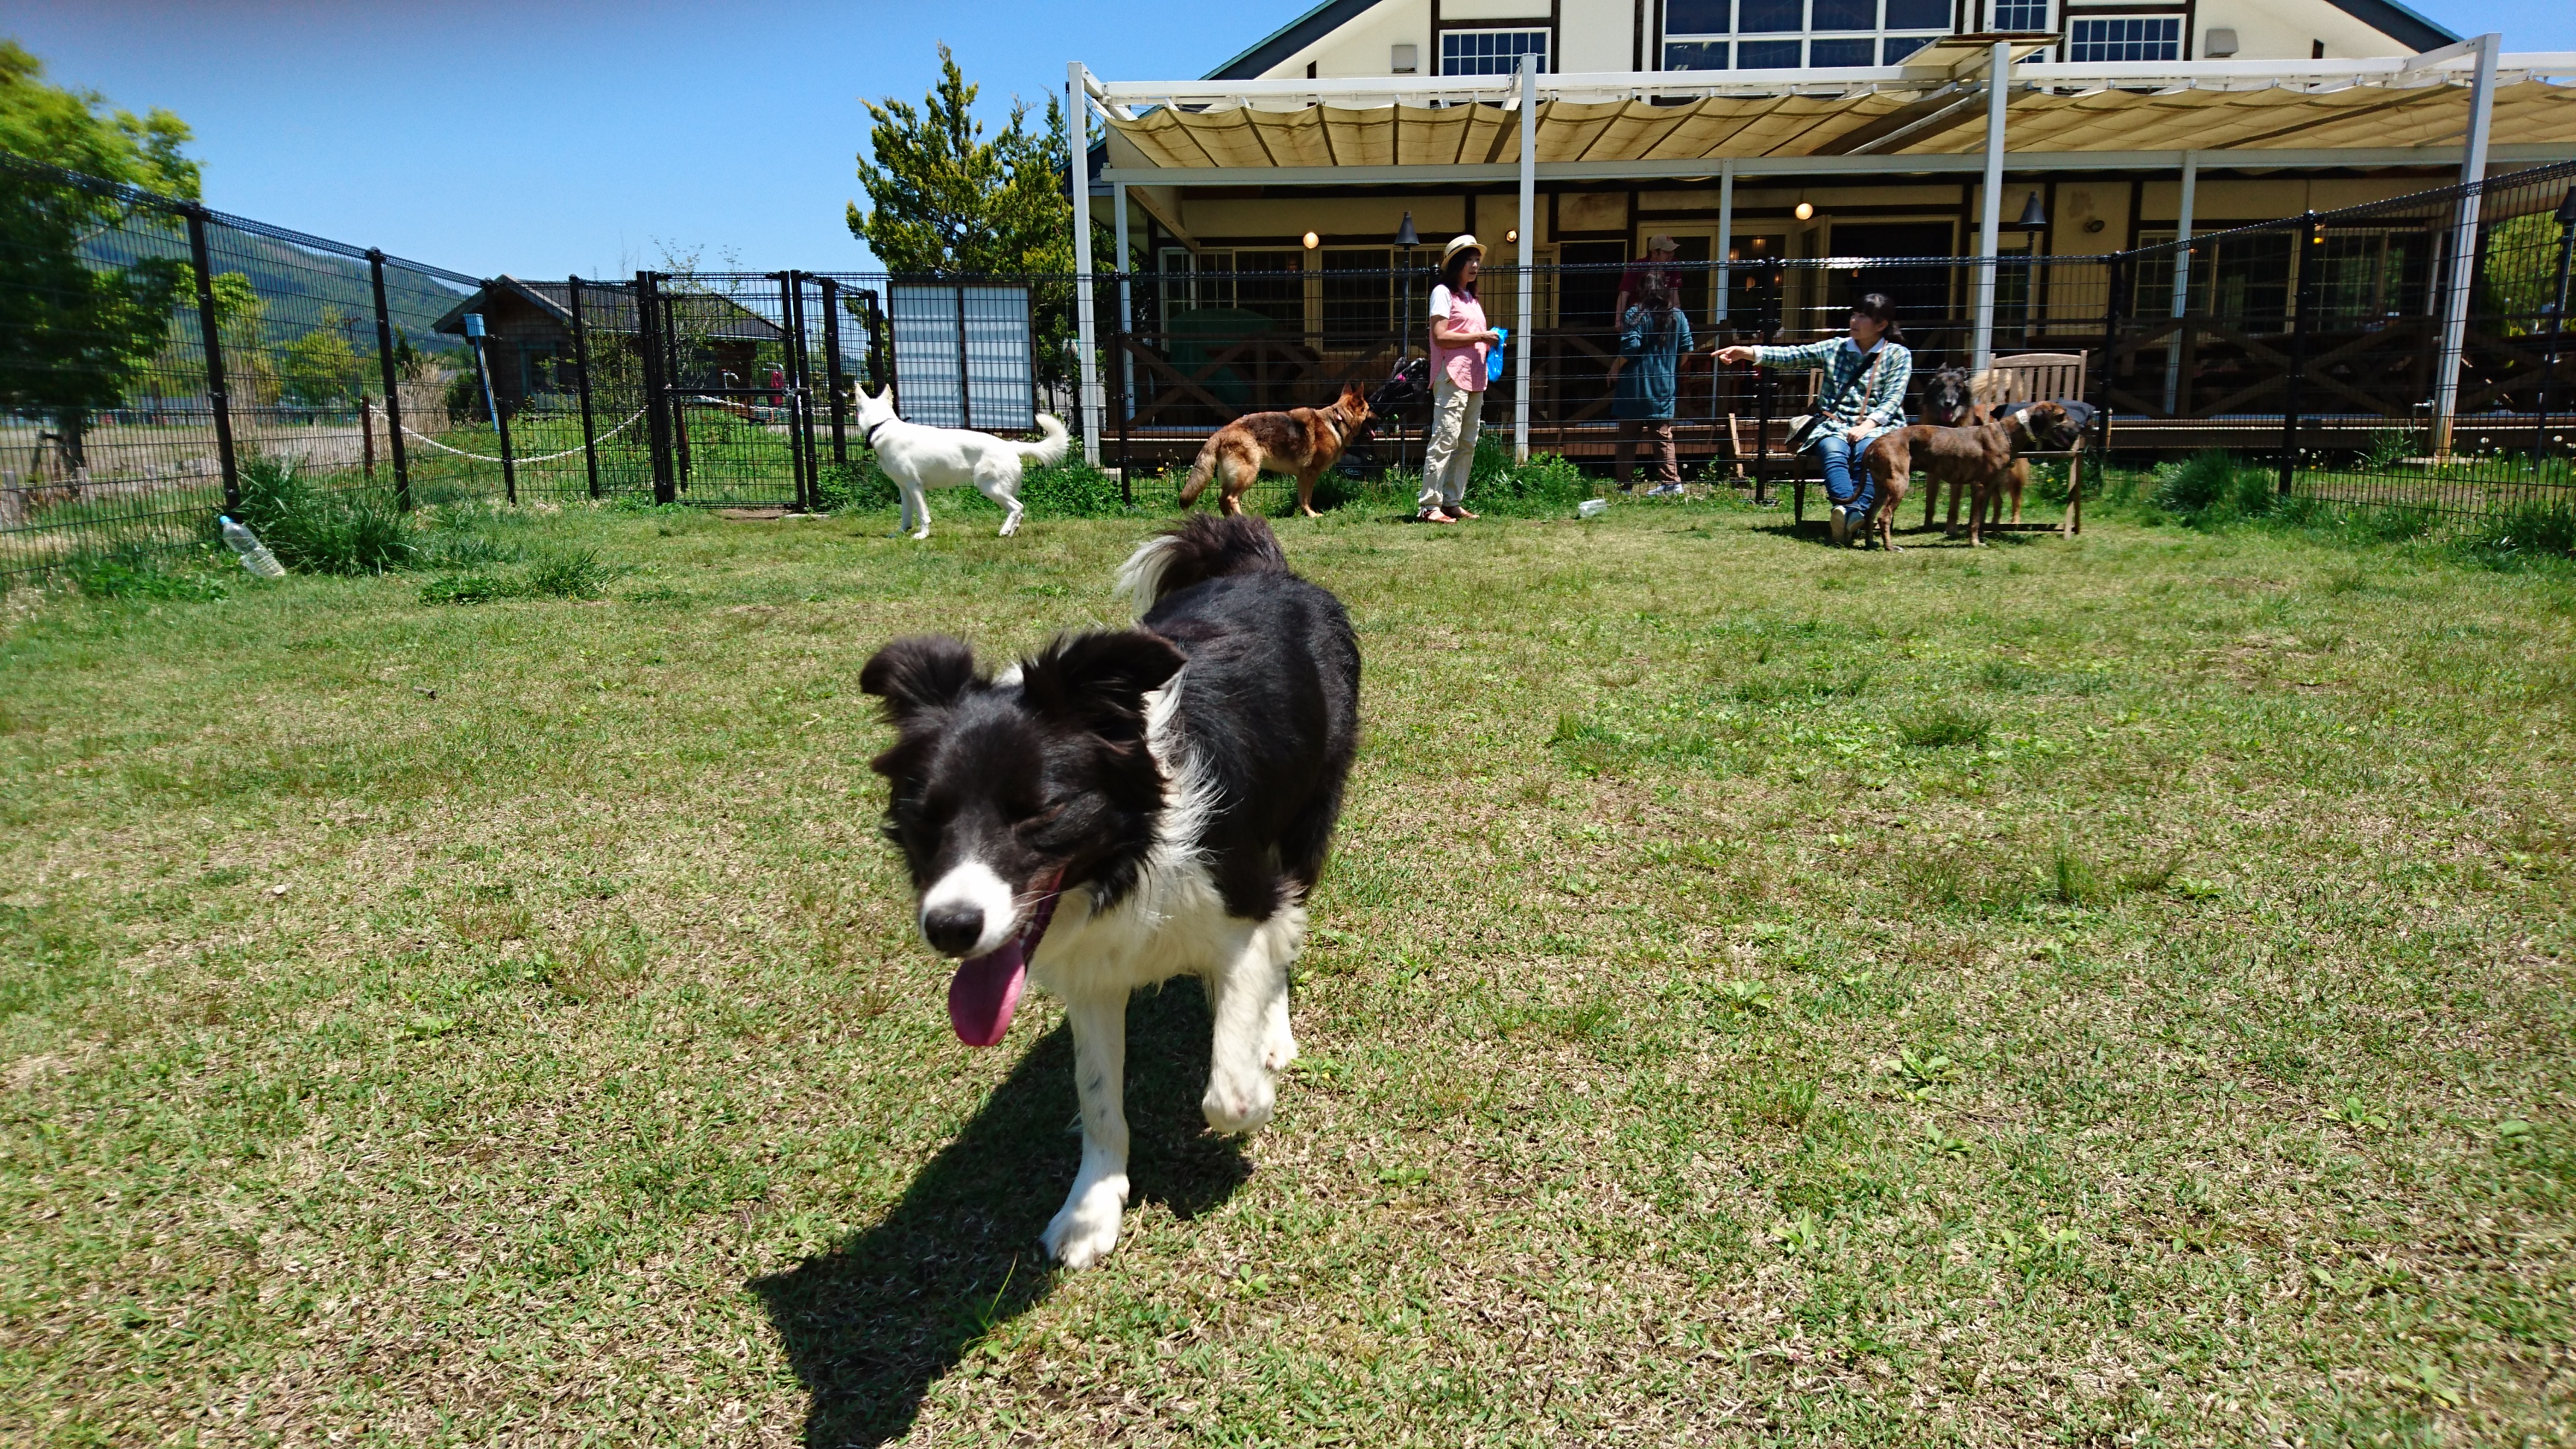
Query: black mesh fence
{"x": 157, "y": 358}
{"x": 2404, "y": 354}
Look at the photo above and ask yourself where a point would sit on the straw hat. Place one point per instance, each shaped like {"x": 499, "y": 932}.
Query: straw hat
{"x": 1464, "y": 241}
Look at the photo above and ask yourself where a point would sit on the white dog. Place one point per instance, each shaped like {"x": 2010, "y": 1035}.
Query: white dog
{"x": 919, "y": 458}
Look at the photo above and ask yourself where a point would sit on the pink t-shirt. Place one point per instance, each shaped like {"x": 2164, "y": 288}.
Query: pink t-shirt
{"x": 1464, "y": 365}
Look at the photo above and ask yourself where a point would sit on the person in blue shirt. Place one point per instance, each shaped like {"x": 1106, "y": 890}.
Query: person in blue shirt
{"x": 1862, "y": 396}
{"x": 1653, "y": 336}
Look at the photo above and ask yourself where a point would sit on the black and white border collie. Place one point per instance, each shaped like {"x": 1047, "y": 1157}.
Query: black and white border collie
{"x": 1128, "y": 807}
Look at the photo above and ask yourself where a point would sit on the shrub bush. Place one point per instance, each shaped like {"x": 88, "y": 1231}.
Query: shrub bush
{"x": 2518, "y": 537}
{"x": 352, "y": 530}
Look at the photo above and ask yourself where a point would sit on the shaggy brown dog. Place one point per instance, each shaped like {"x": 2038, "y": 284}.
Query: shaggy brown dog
{"x": 1301, "y": 441}
{"x": 1978, "y": 456}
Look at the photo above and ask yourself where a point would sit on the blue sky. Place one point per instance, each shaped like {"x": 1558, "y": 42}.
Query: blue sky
{"x": 587, "y": 137}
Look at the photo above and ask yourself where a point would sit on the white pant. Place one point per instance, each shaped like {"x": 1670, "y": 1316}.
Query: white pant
{"x": 1457, "y": 416}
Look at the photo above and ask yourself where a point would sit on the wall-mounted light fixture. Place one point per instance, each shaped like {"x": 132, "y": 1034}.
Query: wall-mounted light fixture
{"x": 1804, "y": 211}
{"x": 1514, "y": 235}
{"x": 1313, "y": 241}
{"x": 2032, "y": 214}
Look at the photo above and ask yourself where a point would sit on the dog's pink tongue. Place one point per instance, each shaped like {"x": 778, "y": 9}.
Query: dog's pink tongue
{"x": 984, "y": 993}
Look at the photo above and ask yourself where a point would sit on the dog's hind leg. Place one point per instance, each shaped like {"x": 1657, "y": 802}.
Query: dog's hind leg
{"x": 1249, "y": 993}
{"x": 1005, "y": 492}
{"x": 918, "y": 503}
{"x": 1086, "y": 1227}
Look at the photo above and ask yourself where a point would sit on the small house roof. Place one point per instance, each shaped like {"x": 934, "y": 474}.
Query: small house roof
{"x": 610, "y": 307}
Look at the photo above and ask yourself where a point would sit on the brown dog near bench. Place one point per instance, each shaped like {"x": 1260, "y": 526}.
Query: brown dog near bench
{"x": 1977, "y": 457}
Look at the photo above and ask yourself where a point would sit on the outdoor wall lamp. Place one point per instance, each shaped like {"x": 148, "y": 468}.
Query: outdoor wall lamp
{"x": 2032, "y": 215}
{"x": 1313, "y": 241}
{"x": 1514, "y": 235}
{"x": 1805, "y": 211}
{"x": 1405, "y": 236}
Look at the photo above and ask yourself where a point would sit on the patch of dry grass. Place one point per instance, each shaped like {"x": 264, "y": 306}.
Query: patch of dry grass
{"x": 2092, "y": 992}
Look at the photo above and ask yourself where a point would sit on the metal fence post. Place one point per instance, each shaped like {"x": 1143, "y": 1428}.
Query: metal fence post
{"x": 218, "y": 397}
{"x": 2114, "y": 313}
{"x": 1769, "y": 325}
{"x": 1125, "y": 381}
{"x": 581, "y": 381}
{"x": 385, "y": 363}
{"x": 2566, "y": 219}
{"x": 2310, "y": 235}
{"x": 790, "y": 347}
{"x": 500, "y": 422}
{"x": 832, "y": 371}
{"x": 657, "y": 425}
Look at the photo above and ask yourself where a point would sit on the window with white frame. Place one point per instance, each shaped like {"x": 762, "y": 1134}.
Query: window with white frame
{"x": 2017, "y": 16}
{"x": 1795, "y": 34}
{"x": 2125, "y": 37}
{"x": 1491, "y": 52}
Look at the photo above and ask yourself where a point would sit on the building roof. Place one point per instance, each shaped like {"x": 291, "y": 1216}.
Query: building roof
{"x": 2388, "y": 17}
{"x": 1677, "y": 118}
{"x": 607, "y": 307}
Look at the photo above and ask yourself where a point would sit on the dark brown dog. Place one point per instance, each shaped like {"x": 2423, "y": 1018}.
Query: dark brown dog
{"x": 1302, "y": 442}
{"x": 1978, "y": 456}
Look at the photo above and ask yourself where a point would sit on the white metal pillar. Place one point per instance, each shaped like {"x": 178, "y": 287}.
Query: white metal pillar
{"x": 2464, "y": 247}
{"x": 1126, "y": 308}
{"x": 1077, "y": 106}
{"x": 1526, "y": 256}
{"x": 1725, "y": 239}
{"x": 2182, "y": 277}
{"x": 1990, "y": 230}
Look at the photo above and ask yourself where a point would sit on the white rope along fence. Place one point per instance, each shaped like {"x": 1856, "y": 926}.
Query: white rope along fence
{"x": 374, "y": 411}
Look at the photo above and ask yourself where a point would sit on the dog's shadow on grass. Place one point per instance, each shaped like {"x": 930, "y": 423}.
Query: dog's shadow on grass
{"x": 871, "y": 1325}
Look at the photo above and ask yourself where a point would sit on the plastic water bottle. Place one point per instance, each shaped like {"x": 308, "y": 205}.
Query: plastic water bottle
{"x": 254, "y": 554}
{"x": 1592, "y": 508}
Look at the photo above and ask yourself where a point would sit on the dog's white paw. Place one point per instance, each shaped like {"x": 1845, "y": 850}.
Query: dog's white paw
{"x": 1086, "y": 1227}
{"x": 1010, "y": 526}
{"x": 1239, "y": 1101}
{"x": 1279, "y": 1051}
{"x": 922, "y": 536}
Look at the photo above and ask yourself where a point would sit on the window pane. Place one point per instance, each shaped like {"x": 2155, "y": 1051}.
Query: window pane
{"x": 1490, "y": 52}
{"x": 2031, "y": 15}
{"x": 1695, "y": 55}
{"x": 1898, "y": 50}
{"x": 1918, "y": 14}
{"x": 1766, "y": 55}
{"x": 2126, "y": 38}
{"x": 1846, "y": 15}
{"x": 1825, "y": 54}
{"x": 1753, "y": 17}
{"x": 1698, "y": 17}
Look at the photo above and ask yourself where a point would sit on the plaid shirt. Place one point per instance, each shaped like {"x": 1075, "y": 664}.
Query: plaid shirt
{"x": 1879, "y": 406}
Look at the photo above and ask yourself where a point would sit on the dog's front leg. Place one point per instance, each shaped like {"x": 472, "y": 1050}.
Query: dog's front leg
{"x": 919, "y": 502}
{"x": 1249, "y": 994}
{"x": 1086, "y": 1227}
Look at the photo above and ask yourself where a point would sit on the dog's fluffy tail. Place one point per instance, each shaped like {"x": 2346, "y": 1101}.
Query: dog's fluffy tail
{"x": 1205, "y": 546}
{"x": 1051, "y": 444}
{"x": 1200, "y": 472}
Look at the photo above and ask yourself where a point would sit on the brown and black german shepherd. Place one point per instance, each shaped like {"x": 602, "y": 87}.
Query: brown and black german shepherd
{"x": 1301, "y": 441}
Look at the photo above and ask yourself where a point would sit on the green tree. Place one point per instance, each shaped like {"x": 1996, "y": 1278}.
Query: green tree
{"x": 944, "y": 199}
{"x": 320, "y": 369}
{"x": 75, "y": 333}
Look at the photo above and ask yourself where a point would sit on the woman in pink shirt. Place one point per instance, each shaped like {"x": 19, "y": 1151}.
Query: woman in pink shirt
{"x": 1459, "y": 339}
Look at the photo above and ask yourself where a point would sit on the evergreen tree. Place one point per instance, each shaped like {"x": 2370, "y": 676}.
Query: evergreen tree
{"x": 944, "y": 199}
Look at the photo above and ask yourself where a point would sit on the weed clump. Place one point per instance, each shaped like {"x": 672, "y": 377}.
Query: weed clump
{"x": 1944, "y": 726}
{"x": 355, "y": 530}
{"x": 133, "y": 571}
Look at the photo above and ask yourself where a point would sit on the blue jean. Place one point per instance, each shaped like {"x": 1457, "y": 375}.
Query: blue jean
{"x": 1847, "y": 483}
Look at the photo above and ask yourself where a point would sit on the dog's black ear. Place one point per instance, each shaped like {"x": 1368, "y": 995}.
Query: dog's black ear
{"x": 925, "y": 671}
{"x": 1099, "y": 681}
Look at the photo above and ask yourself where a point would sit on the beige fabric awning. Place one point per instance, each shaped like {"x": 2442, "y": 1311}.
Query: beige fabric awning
{"x": 1936, "y": 119}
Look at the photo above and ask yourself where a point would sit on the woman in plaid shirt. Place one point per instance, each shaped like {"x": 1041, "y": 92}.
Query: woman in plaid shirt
{"x": 1862, "y": 396}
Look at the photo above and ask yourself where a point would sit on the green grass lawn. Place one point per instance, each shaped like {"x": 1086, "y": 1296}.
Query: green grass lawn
{"x": 2110, "y": 991}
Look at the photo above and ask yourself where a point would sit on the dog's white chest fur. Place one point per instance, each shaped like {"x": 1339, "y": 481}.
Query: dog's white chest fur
{"x": 1173, "y": 923}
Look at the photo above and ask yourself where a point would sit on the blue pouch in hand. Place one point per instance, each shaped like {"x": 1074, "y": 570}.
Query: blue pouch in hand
{"x": 1494, "y": 355}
